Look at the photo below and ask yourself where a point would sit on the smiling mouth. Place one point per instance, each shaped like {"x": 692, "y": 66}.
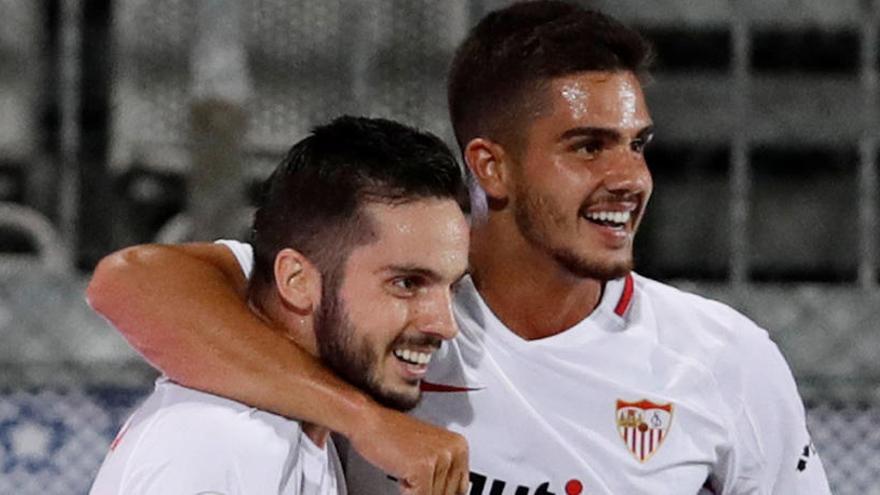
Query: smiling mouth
{"x": 612, "y": 219}
{"x": 417, "y": 358}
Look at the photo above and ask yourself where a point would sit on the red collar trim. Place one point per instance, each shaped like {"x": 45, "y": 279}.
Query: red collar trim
{"x": 626, "y": 297}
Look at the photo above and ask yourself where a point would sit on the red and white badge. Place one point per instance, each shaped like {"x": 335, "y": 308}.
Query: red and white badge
{"x": 643, "y": 426}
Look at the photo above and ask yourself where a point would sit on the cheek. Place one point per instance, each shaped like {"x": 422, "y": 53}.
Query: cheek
{"x": 547, "y": 209}
{"x": 365, "y": 305}
{"x": 563, "y": 178}
{"x": 380, "y": 321}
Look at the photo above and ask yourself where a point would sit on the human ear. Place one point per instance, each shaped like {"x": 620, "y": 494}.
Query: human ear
{"x": 488, "y": 162}
{"x": 297, "y": 281}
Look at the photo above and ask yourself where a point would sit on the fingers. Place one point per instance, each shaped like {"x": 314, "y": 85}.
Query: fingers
{"x": 463, "y": 483}
{"x": 462, "y": 478}
{"x": 455, "y": 478}
{"x": 437, "y": 464}
{"x": 406, "y": 488}
{"x": 441, "y": 474}
{"x": 445, "y": 474}
{"x": 422, "y": 480}
{"x": 452, "y": 476}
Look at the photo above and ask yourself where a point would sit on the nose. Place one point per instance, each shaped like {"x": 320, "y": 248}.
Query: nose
{"x": 435, "y": 315}
{"x": 628, "y": 173}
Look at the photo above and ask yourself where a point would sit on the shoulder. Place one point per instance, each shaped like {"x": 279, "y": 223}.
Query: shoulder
{"x": 189, "y": 426}
{"x": 704, "y": 326}
{"x": 764, "y": 407}
{"x": 746, "y": 364}
{"x": 192, "y": 414}
{"x": 185, "y": 441}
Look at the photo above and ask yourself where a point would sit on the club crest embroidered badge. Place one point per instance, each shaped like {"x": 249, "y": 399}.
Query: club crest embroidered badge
{"x": 643, "y": 426}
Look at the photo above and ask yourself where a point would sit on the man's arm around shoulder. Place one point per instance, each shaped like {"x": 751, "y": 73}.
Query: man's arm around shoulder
{"x": 184, "y": 309}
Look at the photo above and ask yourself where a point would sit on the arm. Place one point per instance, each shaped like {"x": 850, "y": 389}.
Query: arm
{"x": 184, "y": 309}
{"x": 773, "y": 446}
{"x": 780, "y": 422}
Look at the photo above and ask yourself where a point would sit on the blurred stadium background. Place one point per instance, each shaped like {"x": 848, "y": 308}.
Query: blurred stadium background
{"x": 130, "y": 121}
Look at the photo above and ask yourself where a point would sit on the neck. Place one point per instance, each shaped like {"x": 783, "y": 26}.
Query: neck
{"x": 294, "y": 326}
{"x": 525, "y": 287}
{"x": 299, "y": 329}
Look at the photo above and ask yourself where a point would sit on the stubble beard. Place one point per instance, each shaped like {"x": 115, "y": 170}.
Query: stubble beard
{"x": 537, "y": 215}
{"x": 353, "y": 361}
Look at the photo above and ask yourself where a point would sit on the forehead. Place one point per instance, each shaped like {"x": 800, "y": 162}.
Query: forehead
{"x": 604, "y": 99}
{"x": 430, "y": 234}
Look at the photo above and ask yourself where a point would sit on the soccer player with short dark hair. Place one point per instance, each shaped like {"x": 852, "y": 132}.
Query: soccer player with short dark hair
{"x": 357, "y": 243}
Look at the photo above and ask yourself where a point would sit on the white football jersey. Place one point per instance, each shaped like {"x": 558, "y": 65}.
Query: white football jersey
{"x": 184, "y": 442}
{"x": 657, "y": 392}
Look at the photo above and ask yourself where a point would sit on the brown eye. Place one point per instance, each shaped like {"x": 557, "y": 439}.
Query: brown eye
{"x": 590, "y": 147}
{"x": 406, "y": 286}
{"x": 405, "y": 283}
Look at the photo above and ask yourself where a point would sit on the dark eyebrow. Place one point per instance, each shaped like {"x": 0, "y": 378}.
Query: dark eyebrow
{"x": 593, "y": 132}
{"x": 419, "y": 271}
{"x": 412, "y": 270}
{"x": 603, "y": 133}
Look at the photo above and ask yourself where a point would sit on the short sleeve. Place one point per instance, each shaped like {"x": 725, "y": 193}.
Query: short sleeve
{"x": 209, "y": 445}
{"x": 170, "y": 464}
{"x": 176, "y": 478}
{"x": 772, "y": 445}
{"x": 244, "y": 254}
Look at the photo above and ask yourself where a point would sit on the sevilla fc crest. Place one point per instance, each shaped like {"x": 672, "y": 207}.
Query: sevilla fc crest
{"x": 643, "y": 426}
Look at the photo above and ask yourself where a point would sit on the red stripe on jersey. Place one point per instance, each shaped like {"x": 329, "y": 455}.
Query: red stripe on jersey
{"x": 626, "y": 297}
{"x": 439, "y": 387}
{"x": 643, "y": 446}
{"x": 118, "y": 438}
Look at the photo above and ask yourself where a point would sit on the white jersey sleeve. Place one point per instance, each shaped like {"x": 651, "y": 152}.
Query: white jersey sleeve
{"x": 185, "y": 442}
{"x": 775, "y": 455}
{"x": 244, "y": 254}
{"x": 207, "y": 466}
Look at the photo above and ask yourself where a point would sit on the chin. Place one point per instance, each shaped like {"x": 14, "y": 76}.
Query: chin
{"x": 401, "y": 400}
{"x": 583, "y": 267}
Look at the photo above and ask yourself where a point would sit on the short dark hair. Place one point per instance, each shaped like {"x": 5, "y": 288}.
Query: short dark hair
{"x": 313, "y": 201}
{"x": 511, "y": 52}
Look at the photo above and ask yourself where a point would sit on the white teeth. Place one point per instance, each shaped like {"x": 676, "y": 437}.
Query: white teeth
{"x": 617, "y": 217}
{"x": 413, "y": 357}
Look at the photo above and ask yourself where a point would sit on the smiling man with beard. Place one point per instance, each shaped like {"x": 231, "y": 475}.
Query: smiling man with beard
{"x": 356, "y": 246}
{"x": 571, "y": 374}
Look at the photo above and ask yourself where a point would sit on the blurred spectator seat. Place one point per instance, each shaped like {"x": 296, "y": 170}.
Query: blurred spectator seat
{"x": 28, "y": 240}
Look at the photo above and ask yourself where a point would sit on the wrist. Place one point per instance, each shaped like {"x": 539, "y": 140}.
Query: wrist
{"x": 360, "y": 414}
